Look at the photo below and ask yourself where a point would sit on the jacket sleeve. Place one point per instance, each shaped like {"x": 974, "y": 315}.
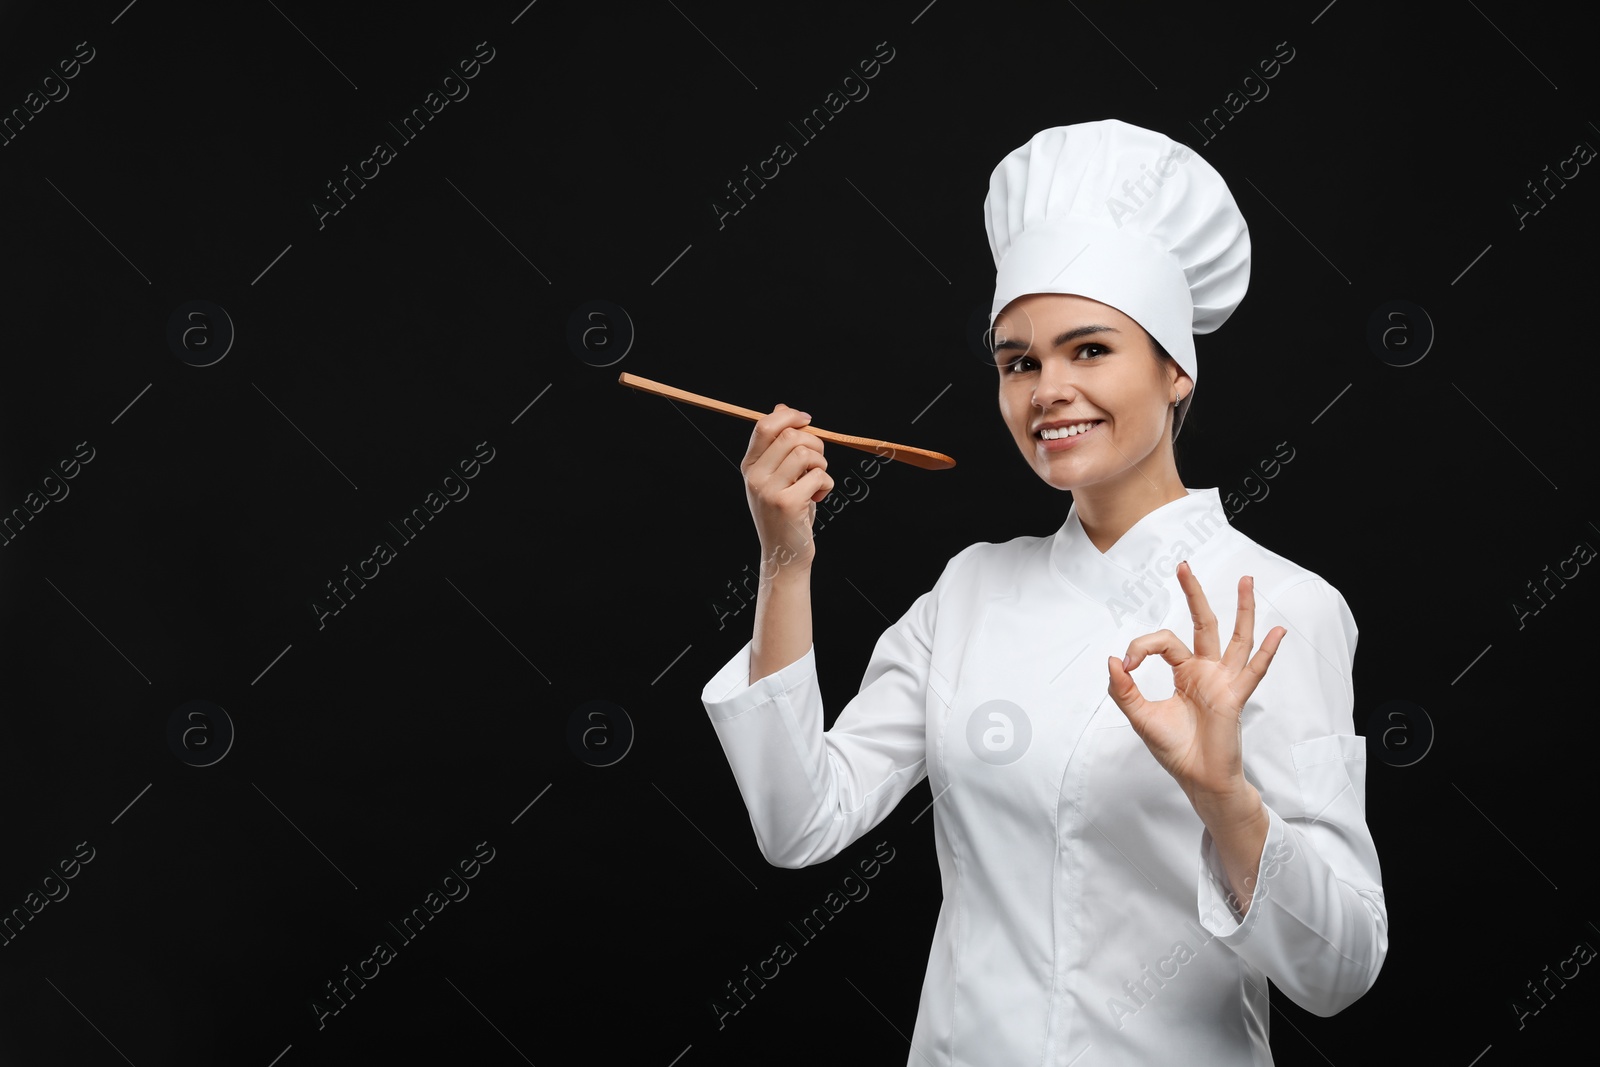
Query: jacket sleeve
{"x": 810, "y": 792}
{"x": 1317, "y": 924}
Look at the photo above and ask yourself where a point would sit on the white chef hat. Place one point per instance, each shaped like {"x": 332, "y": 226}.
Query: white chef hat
{"x": 1124, "y": 216}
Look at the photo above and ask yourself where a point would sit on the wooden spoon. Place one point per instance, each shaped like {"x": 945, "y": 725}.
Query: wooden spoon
{"x": 917, "y": 457}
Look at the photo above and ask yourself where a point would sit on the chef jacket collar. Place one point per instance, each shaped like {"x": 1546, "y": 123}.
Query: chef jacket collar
{"x": 1137, "y": 578}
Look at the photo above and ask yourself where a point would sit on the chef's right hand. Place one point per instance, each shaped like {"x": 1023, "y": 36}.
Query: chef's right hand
{"x": 785, "y": 477}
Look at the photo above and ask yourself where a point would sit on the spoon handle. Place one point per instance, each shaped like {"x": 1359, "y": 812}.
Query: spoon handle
{"x": 917, "y": 457}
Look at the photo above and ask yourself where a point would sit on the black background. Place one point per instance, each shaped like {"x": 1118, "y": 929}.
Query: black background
{"x": 376, "y": 350}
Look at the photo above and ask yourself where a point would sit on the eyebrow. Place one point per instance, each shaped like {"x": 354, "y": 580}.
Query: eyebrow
{"x": 1061, "y": 339}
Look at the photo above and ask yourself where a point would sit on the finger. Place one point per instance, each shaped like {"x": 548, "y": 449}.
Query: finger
{"x": 803, "y": 475}
{"x": 1124, "y": 692}
{"x": 1205, "y": 623}
{"x": 767, "y": 430}
{"x": 1163, "y": 642}
{"x": 825, "y": 481}
{"x": 1256, "y": 669}
{"x": 791, "y": 454}
{"x": 799, "y": 460}
{"x": 1244, "y": 625}
{"x": 761, "y": 436}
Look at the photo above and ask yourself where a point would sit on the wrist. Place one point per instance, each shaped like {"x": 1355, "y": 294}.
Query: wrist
{"x": 1229, "y": 811}
{"x": 784, "y": 568}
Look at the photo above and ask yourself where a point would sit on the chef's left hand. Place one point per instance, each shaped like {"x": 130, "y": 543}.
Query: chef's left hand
{"x": 1195, "y": 733}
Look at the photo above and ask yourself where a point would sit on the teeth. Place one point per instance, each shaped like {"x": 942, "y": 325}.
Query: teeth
{"x": 1067, "y": 431}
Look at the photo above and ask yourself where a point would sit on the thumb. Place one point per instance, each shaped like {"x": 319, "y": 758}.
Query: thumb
{"x": 1123, "y": 689}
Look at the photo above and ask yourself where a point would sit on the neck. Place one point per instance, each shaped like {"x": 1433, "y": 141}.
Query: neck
{"x": 1107, "y": 510}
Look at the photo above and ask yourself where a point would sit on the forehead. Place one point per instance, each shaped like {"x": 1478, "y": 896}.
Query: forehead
{"x": 1044, "y": 315}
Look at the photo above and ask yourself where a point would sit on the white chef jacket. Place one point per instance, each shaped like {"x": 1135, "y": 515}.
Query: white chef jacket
{"x": 1084, "y": 916}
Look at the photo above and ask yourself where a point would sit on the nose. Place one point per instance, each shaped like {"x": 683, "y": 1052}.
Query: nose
{"x": 1056, "y": 382}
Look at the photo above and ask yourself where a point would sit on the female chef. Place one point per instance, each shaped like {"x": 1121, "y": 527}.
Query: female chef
{"x": 1135, "y": 832}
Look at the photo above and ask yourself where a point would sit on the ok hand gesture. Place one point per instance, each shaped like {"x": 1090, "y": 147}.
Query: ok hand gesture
{"x": 1196, "y": 733}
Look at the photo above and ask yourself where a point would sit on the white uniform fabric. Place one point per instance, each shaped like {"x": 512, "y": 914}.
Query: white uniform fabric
{"x": 1084, "y": 917}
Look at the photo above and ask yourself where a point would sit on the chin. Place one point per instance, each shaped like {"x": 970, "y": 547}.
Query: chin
{"x": 1062, "y": 484}
{"x": 1041, "y": 465}
{"x": 1056, "y": 478}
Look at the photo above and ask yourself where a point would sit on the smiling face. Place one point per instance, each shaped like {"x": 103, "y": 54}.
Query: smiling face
{"x": 1069, "y": 359}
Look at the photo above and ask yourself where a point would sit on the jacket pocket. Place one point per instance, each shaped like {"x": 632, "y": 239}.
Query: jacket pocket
{"x": 1332, "y": 774}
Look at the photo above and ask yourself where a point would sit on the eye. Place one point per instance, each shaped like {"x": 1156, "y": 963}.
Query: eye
{"x": 1098, "y": 351}
{"x": 1010, "y": 368}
